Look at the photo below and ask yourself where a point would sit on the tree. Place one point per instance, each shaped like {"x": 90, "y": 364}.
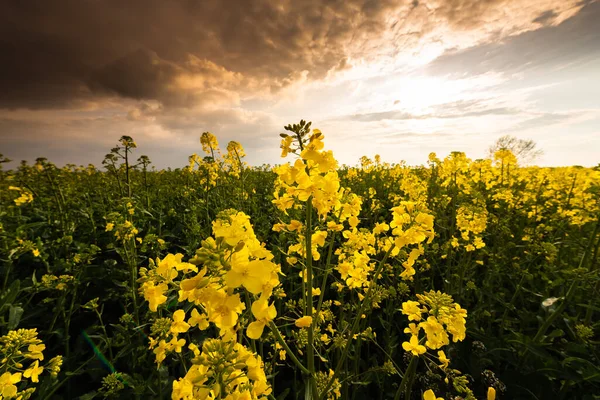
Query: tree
{"x": 526, "y": 151}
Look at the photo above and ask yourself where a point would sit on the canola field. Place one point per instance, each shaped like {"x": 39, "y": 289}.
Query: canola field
{"x": 458, "y": 279}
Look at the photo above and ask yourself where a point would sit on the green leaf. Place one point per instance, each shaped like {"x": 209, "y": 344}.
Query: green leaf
{"x": 284, "y": 394}
{"x": 88, "y": 396}
{"x": 11, "y": 294}
{"x": 14, "y": 316}
{"x": 589, "y": 307}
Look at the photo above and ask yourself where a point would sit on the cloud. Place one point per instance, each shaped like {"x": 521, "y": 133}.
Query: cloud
{"x": 168, "y": 138}
{"x": 180, "y": 53}
{"x": 76, "y": 75}
{"x": 573, "y": 41}
{"x": 546, "y": 17}
{"x": 412, "y": 137}
{"x": 62, "y": 52}
{"x": 441, "y": 113}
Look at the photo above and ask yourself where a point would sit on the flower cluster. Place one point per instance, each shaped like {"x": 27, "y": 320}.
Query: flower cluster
{"x": 222, "y": 370}
{"x": 233, "y": 159}
{"x": 20, "y": 355}
{"x": 25, "y": 196}
{"x": 60, "y": 282}
{"x": 410, "y": 225}
{"x": 471, "y": 220}
{"x": 313, "y": 176}
{"x": 123, "y": 229}
{"x": 212, "y": 281}
{"x": 206, "y": 167}
{"x": 335, "y": 391}
{"x": 437, "y": 315}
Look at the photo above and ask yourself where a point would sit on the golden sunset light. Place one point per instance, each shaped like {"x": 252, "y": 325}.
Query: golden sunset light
{"x": 166, "y": 72}
{"x": 300, "y": 199}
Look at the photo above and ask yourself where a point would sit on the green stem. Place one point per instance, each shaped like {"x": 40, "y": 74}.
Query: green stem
{"x": 355, "y": 324}
{"x": 407, "y": 379}
{"x": 310, "y": 353}
{"x": 110, "y": 352}
{"x": 249, "y": 307}
{"x": 127, "y": 171}
{"x": 133, "y": 269}
{"x": 71, "y": 374}
{"x": 325, "y": 276}
{"x": 512, "y": 301}
{"x": 289, "y": 352}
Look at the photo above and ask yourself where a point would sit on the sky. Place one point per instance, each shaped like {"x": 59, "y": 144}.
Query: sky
{"x": 396, "y": 78}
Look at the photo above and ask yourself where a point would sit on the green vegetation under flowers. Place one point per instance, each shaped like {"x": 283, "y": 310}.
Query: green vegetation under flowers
{"x": 461, "y": 279}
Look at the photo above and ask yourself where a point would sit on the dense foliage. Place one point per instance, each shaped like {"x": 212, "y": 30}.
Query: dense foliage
{"x": 458, "y": 279}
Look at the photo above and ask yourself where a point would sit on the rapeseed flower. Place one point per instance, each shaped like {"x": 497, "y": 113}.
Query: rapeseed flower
{"x": 413, "y": 346}
{"x": 430, "y": 395}
{"x": 264, "y": 313}
{"x": 303, "y": 322}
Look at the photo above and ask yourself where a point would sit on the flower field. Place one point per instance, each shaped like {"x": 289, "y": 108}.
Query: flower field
{"x": 459, "y": 279}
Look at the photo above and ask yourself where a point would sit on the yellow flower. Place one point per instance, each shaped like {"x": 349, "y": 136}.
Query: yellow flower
{"x": 8, "y": 389}
{"x": 34, "y": 371}
{"x": 285, "y": 146}
{"x": 167, "y": 267}
{"x": 443, "y": 359}
{"x": 412, "y": 309}
{"x": 264, "y": 313}
{"x": 429, "y": 395}
{"x": 380, "y": 228}
{"x": 303, "y": 322}
{"x": 413, "y": 329}
{"x": 333, "y": 226}
{"x": 253, "y": 275}
{"x": 182, "y": 389}
{"x": 436, "y": 335}
{"x": 109, "y": 227}
{"x": 177, "y": 344}
{"x": 209, "y": 142}
{"x": 161, "y": 351}
{"x": 294, "y": 225}
{"x": 179, "y": 325}
{"x": 36, "y": 252}
{"x": 223, "y": 310}
{"x": 491, "y": 393}
{"x": 198, "y": 319}
{"x": 35, "y": 351}
{"x": 154, "y": 294}
{"x": 413, "y": 346}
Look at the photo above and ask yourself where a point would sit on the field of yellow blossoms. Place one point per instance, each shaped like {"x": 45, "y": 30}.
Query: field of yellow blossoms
{"x": 458, "y": 279}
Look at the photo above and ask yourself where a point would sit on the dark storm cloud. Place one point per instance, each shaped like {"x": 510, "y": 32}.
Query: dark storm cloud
{"x": 138, "y": 75}
{"x": 58, "y": 52}
{"x": 67, "y": 53}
